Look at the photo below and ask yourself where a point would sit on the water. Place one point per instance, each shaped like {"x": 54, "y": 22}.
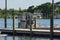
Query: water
{"x": 46, "y": 22}
{"x": 24, "y": 38}
{"x": 40, "y": 22}
{"x": 9, "y": 23}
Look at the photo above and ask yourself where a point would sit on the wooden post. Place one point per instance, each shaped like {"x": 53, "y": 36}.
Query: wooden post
{"x": 19, "y": 22}
{"x": 26, "y": 20}
{"x": 34, "y": 22}
{"x": 30, "y": 26}
{"x": 5, "y": 22}
{"x": 13, "y": 24}
{"x": 5, "y": 13}
{"x": 13, "y": 37}
{"x": 51, "y": 21}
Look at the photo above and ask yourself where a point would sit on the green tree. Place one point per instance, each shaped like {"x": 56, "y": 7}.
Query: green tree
{"x": 57, "y": 9}
{"x": 20, "y": 11}
{"x": 1, "y": 15}
{"x": 30, "y": 9}
{"x": 11, "y": 11}
{"x": 45, "y": 9}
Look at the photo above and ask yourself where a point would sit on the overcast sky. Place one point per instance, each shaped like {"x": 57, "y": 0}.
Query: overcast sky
{"x": 23, "y": 3}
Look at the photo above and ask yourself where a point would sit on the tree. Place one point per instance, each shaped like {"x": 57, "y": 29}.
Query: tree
{"x": 1, "y": 15}
{"x": 45, "y": 9}
{"x": 30, "y": 9}
{"x": 20, "y": 11}
{"x": 11, "y": 11}
{"x": 57, "y": 9}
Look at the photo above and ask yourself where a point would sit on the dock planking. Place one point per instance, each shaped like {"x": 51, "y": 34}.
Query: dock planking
{"x": 27, "y": 31}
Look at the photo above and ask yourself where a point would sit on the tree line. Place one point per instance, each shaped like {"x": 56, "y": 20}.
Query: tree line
{"x": 45, "y": 9}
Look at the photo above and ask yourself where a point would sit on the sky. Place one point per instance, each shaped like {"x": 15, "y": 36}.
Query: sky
{"x": 23, "y": 4}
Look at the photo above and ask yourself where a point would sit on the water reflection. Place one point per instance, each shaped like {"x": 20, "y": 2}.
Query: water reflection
{"x": 25, "y": 38}
{"x": 13, "y": 37}
{"x": 5, "y": 37}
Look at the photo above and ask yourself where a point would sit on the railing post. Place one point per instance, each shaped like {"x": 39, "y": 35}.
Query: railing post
{"x": 13, "y": 25}
{"x": 5, "y": 14}
{"x": 34, "y": 22}
{"x": 5, "y": 21}
{"x": 19, "y": 22}
{"x": 26, "y": 21}
{"x": 51, "y": 21}
{"x": 30, "y": 26}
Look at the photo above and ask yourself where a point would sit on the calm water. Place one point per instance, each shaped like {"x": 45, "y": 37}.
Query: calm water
{"x": 24, "y": 38}
{"x": 9, "y": 23}
{"x": 40, "y": 22}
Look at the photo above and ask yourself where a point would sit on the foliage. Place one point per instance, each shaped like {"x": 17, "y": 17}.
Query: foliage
{"x": 31, "y": 9}
{"x": 45, "y": 9}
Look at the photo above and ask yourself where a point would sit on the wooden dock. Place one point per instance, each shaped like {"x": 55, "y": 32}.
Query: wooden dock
{"x": 27, "y": 31}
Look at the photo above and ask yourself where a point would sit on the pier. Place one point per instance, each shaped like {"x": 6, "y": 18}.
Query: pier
{"x": 32, "y": 30}
{"x": 27, "y": 31}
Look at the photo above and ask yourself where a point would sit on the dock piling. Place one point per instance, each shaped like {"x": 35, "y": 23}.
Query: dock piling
{"x": 30, "y": 27}
{"x": 52, "y": 21}
{"x": 34, "y": 22}
{"x": 13, "y": 24}
{"x": 5, "y": 13}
